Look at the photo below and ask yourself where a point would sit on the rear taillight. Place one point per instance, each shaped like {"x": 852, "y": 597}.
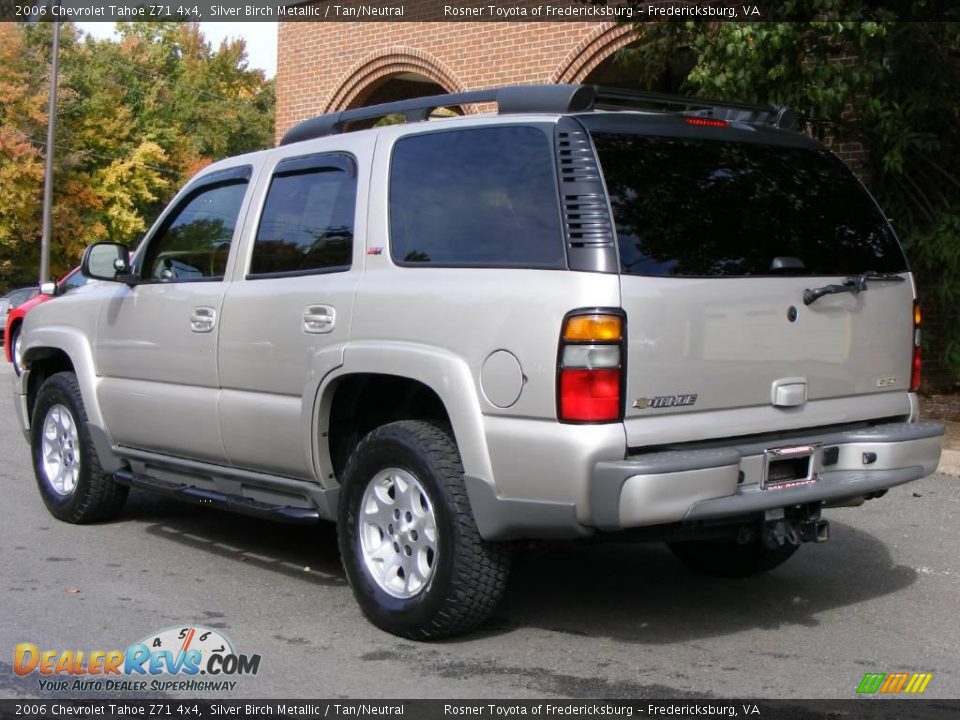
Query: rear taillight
{"x": 915, "y": 369}
{"x": 590, "y": 367}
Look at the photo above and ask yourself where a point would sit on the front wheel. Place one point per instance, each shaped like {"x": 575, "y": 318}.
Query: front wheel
{"x": 729, "y": 559}
{"x": 72, "y": 484}
{"x": 410, "y": 546}
{"x": 16, "y": 349}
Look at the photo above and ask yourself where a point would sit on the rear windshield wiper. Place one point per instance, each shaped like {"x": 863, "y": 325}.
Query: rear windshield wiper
{"x": 855, "y": 285}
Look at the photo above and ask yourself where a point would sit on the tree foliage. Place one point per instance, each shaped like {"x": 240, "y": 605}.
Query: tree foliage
{"x": 891, "y": 86}
{"x": 136, "y": 117}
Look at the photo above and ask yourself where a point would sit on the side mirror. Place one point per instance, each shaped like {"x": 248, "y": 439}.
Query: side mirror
{"x": 107, "y": 261}
{"x": 48, "y": 288}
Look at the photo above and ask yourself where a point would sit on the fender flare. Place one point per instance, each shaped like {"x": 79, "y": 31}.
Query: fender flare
{"x": 76, "y": 347}
{"x": 440, "y": 370}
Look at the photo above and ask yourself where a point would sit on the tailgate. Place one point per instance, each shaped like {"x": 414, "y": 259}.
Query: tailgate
{"x": 720, "y": 231}
{"x": 732, "y": 344}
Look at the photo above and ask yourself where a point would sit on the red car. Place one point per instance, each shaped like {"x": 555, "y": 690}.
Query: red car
{"x": 11, "y": 333}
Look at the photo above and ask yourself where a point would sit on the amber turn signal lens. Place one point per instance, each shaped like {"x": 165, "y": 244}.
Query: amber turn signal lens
{"x": 917, "y": 315}
{"x": 593, "y": 328}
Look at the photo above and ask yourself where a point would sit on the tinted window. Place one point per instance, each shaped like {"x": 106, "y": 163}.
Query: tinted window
{"x": 195, "y": 242}
{"x": 307, "y": 222}
{"x": 478, "y": 197}
{"x": 75, "y": 280}
{"x": 710, "y": 208}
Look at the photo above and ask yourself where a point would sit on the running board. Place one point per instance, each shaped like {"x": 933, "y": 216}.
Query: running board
{"x": 211, "y": 498}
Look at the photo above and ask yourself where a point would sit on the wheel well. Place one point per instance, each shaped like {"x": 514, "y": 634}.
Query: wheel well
{"x": 44, "y": 363}
{"x": 366, "y": 401}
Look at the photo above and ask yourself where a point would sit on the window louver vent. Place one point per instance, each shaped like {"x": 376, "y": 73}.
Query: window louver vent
{"x": 586, "y": 216}
{"x": 577, "y": 161}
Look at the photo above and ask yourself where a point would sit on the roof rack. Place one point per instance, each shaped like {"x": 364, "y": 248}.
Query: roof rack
{"x": 512, "y": 99}
{"x": 558, "y": 98}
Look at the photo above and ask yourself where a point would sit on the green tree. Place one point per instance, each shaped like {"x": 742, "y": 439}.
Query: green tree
{"x": 892, "y": 86}
{"x": 21, "y": 163}
{"x": 136, "y": 118}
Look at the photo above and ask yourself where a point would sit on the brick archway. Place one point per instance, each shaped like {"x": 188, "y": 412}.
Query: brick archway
{"x": 385, "y": 63}
{"x": 596, "y": 47}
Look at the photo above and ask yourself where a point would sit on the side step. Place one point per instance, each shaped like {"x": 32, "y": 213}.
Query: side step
{"x": 211, "y": 498}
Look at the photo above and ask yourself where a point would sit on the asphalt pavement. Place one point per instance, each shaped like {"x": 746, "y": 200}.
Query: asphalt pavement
{"x": 610, "y": 620}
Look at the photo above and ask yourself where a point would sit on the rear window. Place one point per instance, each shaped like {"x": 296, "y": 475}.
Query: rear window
{"x": 707, "y": 208}
{"x": 479, "y": 197}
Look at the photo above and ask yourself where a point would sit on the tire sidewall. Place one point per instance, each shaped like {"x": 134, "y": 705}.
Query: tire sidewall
{"x": 56, "y": 391}
{"x": 397, "y": 615}
{"x": 14, "y": 339}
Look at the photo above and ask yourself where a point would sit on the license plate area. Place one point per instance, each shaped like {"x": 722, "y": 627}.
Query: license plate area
{"x": 793, "y": 466}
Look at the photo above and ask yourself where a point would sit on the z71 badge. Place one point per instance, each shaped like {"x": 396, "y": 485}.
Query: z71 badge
{"x": 664, "y": 401}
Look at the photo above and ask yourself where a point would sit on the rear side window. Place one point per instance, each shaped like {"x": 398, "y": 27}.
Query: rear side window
{"x": 706, "y": 208}
{"x": 480, "y": 197}
{"x": 307, "y": 220}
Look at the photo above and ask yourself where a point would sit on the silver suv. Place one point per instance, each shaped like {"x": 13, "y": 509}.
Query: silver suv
{"x": 589, "y": 312}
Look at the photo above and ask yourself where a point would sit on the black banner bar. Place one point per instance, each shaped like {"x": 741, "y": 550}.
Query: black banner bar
{"x": 457, "y": 10}
{"x": 859, "y": 709}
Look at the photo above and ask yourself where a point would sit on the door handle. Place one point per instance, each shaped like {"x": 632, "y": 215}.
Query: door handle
{"x": 788, "y": 392}
{"x": 319, "y": 319}
{"x": 203, "y": 319}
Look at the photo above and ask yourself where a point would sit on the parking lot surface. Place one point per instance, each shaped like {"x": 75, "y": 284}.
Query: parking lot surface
{"x": 611, "y": 620}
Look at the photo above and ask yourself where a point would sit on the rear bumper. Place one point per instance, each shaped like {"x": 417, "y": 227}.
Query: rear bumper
{"x": 724, "y": 481}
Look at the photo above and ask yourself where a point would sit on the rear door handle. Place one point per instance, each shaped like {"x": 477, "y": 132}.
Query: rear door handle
{"x": 788, "y": 392}
{"x": 319, "y": 319}
{"x": 203, "y": 319}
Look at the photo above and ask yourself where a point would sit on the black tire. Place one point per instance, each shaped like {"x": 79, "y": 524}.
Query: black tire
{"x": 730, "y": 560}
{"x": 94, "y": 496}
{"x": 469, "y": 575}
{"x": 14, "y": 339}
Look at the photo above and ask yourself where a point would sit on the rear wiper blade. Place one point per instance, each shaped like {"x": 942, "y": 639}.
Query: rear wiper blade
{"x": 855, "y": 285}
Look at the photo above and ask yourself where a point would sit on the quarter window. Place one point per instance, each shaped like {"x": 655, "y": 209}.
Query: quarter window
{"x": 307, "y": 221}
{"x": 482, "y": 197}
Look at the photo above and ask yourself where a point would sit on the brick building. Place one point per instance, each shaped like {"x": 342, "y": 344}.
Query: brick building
{"x": 322, "y": 67}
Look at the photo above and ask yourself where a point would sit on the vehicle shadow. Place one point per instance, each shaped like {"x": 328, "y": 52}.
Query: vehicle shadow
{"x": 304, "y": 552}
{"x": 632, "y": 592}
{"x": 640, "y": 593}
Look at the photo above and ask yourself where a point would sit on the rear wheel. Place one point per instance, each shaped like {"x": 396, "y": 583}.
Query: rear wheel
{"x": 411, "y": 549}
{"x": 729, "y": 559}
{"x": 72, "y": 484}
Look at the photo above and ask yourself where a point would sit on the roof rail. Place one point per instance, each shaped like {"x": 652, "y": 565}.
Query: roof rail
{"x": 512, "y": 99}
{"x": 543, "y": 99}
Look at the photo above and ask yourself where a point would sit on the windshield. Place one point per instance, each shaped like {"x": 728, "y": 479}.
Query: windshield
{"x": 708, "y": 208}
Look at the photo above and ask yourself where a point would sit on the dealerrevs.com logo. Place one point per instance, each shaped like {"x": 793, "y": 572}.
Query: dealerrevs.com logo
{"x": 184, "y": 659}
